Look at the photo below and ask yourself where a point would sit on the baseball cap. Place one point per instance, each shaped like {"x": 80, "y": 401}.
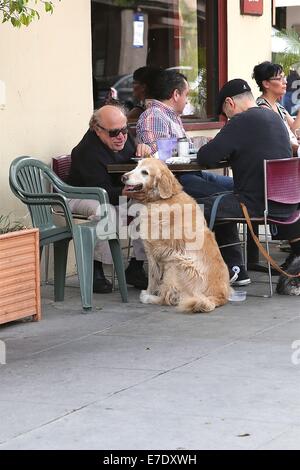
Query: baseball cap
{"x": 231, "y": 88}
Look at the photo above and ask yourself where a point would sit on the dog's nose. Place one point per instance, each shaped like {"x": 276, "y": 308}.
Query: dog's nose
{"x": 124, "y": 178}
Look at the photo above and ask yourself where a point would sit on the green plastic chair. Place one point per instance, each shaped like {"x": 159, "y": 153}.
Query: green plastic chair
{"x": 29, "y": 180}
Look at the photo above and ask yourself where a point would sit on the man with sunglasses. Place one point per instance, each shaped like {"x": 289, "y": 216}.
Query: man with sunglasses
{"x": 107, "y": 142}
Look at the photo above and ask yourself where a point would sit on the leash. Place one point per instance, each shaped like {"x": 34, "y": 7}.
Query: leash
{"x": 261, "y": 248}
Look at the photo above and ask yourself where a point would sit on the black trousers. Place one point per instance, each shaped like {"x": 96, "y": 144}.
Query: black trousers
{"x": 225, "y": 233}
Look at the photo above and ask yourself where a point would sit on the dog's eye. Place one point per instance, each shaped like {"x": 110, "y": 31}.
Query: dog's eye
{"x": 145, "y": 172}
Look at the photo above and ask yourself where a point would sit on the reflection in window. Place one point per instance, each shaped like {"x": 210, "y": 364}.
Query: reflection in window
{"x": 128, "y": 34}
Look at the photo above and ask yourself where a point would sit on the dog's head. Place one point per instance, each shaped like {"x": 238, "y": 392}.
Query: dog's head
{"x": 154, "y": 178}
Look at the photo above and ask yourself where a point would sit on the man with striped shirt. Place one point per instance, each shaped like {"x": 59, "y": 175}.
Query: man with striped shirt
{"x": 169, "y": 91}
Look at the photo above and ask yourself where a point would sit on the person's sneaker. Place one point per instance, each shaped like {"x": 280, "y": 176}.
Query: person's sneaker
{"x": 136, "y": 276}
{"x": 288, "y": 261}
{"x": 239, "y": 276}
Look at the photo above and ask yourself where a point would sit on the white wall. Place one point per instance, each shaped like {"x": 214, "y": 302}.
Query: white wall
{"x": 47, "y": 73}
{"x": 249, "y": 41}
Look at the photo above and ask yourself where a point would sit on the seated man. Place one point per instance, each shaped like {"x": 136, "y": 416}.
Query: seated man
{"x": 106, "y": 142}
{"x": 253, "y": 134}
{"x": 169, "y": 90}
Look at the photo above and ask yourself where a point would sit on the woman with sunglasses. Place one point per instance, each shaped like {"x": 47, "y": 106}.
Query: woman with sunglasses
{"x": 272, "y": 83}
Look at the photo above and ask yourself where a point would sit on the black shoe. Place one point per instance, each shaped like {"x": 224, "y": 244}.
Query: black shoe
{"x": 288, "y": 261}
{"x": 101, "y": 285}
{"x": 239, "y": 276}
{"x": 135, "y": 275}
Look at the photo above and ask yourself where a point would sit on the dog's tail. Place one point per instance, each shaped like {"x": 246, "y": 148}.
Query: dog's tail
{"x": 199, "y": 304}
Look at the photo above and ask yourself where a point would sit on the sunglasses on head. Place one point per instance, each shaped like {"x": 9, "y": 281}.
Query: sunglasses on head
{"x": 115, "y": 132}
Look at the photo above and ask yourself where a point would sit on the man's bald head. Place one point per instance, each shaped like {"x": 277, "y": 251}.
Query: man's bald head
{"x": 110, "y": 118}
{"x": 107, "y": 116}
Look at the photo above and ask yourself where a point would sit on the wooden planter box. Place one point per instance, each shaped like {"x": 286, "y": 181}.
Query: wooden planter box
{"x": 20, "y": 276}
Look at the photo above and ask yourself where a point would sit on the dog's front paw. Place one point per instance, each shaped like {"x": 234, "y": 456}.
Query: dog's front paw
{"x": 147, "y": 298}
{"x": 144, "y": 297}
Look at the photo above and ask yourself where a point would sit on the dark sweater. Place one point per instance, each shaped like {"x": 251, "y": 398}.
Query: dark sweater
{"x": 89, "y": 164}
{"x": 247, "y": 140}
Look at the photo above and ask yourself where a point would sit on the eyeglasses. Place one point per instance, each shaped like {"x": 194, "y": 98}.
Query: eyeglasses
{"x": 115, "y": 132}
{"x": 278, "y": 79}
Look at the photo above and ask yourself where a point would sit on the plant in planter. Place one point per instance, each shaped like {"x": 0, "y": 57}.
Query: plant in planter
{"x": 19, "y": 271}
{"x": 6, "y": 226}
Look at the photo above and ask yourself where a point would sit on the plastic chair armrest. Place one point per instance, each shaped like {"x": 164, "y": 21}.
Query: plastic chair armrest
{"x": 49, "y": 199}
{"x": 74, "y": 192}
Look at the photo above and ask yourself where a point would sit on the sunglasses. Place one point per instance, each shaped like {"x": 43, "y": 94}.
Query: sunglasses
{"x": 115, "y": 132}
{"x": 278, "y": 79}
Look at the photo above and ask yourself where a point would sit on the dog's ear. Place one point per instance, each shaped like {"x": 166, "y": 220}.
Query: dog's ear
{"x": 168, "y": 185}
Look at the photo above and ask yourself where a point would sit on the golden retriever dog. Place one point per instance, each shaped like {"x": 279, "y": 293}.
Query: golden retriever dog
{"x": 186, "y": 268}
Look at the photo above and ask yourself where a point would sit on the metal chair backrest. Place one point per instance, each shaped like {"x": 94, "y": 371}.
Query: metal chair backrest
{"x": 61, "y": 166}
{"x": 282, "y": 180}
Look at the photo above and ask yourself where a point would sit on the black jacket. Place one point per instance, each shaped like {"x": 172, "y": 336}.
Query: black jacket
{"x": 89, "y": 164}
{"x": 247, "y": 140}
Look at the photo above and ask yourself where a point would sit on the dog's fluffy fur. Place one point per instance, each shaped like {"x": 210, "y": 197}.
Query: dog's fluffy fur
{"x": 290, "y": 285}
{"x": 192, "y": 277}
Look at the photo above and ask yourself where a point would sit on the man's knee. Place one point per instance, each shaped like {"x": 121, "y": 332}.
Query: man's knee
{"x": 86, "y": 207}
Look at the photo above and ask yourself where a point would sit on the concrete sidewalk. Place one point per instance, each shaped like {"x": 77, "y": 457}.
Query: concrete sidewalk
{"x": 146, "y": 377}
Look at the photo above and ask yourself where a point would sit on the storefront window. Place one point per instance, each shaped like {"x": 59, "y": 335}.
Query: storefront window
{"x": 181, "y": 34}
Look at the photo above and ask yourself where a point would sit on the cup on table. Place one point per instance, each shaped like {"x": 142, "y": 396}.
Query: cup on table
{"x": 166, "y": 148}
{"x": 183, "y": 147}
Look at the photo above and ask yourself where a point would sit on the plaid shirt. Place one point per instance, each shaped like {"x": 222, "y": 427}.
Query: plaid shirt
{"x": 157, "y": 122}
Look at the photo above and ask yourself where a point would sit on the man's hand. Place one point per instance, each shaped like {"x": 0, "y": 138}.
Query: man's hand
{"x": 137, "y": 195}
{"x": 143, "y": 150}
{"x": 199, "y": 141}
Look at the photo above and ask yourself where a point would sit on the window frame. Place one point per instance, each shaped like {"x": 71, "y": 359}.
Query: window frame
{"x": 223, "y": 68}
